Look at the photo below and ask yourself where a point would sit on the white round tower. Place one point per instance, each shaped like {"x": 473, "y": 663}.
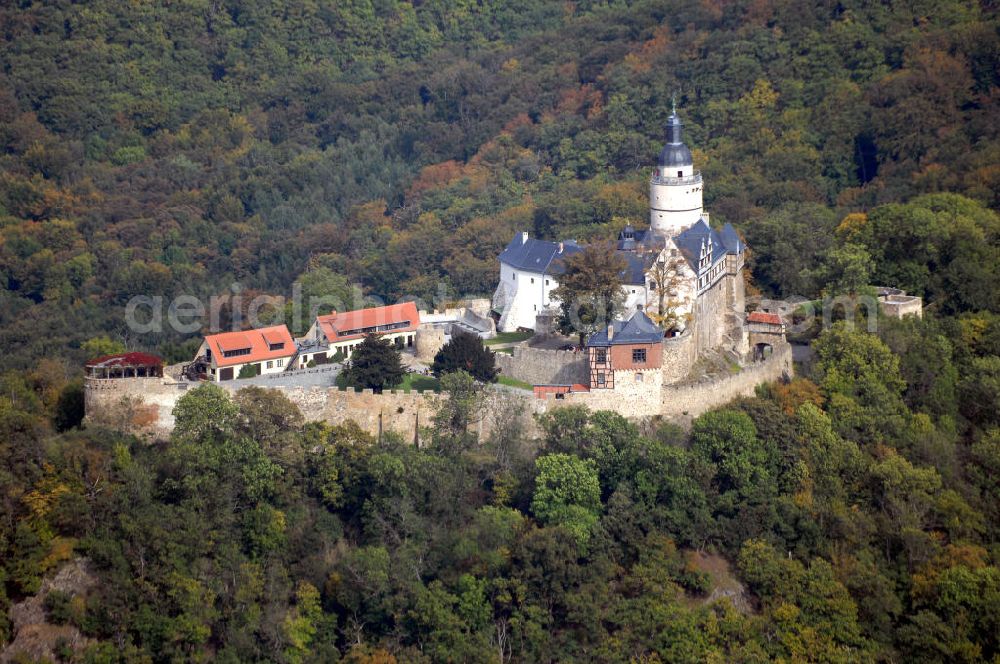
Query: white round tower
{"x": 675, "y": 189}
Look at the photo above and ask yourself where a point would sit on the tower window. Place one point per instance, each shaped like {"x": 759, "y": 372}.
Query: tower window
{"x": 680, "y": 174}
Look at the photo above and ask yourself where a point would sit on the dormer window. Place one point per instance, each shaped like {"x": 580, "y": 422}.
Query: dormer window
{"x": 276, "y": 346}
{"x": 236, "y": 352}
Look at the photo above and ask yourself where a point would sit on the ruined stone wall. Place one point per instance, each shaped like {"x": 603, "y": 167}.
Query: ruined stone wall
{"x": 897, "y": 306}
{"x": 538, "y": 366}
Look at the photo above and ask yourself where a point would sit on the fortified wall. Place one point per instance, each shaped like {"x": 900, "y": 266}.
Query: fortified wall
{"x": 539, "y": 366}
{"x": 144, "y": 406}
{"x": 681, "y": 401}
{"x": 679, "y": 356}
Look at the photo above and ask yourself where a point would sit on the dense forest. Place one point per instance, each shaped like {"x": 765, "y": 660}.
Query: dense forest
{"x": 184, "y": 147}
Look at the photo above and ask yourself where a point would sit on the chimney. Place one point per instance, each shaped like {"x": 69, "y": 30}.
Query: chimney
{"x": 560, "y": 247}
{"x": 611, "y": 331}
{"x": 524, "y": 237}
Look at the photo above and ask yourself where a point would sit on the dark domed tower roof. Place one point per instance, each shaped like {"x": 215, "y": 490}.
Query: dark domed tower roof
{"x": 674, "y": 153}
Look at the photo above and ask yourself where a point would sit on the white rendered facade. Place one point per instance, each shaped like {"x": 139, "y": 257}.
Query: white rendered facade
{"x": 523, "y": 294}
{"x": 675, "y": 201}
{"x": 264, "y": 367}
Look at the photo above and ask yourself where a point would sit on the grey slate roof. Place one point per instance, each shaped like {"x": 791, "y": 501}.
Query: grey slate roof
{"x": 639, "y": 329}
{"x": 724, "y": 242}
{"x": 539, "y": 256}
{"x": 629, "y": 239}
{"x": 731, "y": 239}
{"x": 637, "y": 264}
{"x": 674, "y": 153}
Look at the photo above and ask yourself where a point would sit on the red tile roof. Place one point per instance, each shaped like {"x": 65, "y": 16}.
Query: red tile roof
{"x": 541, "y": 390}
{"x": 761, "y": 317}
{"x": 348, "y": 325}
{"x": 258, "y": 341}
{"x": 126, "y": 360}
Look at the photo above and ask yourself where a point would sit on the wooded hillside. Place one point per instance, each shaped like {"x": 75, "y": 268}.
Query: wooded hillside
{"x": 167, "y": 148}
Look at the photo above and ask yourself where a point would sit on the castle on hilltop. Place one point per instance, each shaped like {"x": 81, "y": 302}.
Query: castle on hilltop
{"x": 683, "y": 280}
{"x": 683, "y": 346}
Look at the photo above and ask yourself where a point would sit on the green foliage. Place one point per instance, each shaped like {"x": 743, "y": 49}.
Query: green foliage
{"x": 568, "y": 494}
{"x": 100, "y": 346}
{"x": 462, "y": 407}
{"x": 859, "y": 376}
{"x": 248, "y": 371}
{"x": 466, "y": 352}
{"x": 258, "y": 147}
{"x": 590, "y": 289}
{"x": 375, "y": 364}
{"x": 69, "y": 410}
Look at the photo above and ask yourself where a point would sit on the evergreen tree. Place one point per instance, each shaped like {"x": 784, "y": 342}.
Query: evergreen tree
{"x": 375, "y": 364}
{"x": 466, "y": 352}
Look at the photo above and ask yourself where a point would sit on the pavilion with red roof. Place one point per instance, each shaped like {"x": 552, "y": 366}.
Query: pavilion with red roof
{"x": 125, "y": 365}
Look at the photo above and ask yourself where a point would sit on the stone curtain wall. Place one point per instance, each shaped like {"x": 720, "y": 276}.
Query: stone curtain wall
{"x": 679, "y": 355}
{"x": 684, "y": 400}
{"x": 538, "y": 366}
{"x": 693, "y": 399}
{"x": 144, "y": 406}
{"x": 400, "y": 412}
{"x": 630, "y": 397}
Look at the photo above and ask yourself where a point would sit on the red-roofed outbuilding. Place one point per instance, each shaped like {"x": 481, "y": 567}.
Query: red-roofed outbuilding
{"x": 268, "y": 350}
{"x": 342, "y": 331}
{"x": 764, "y": 317}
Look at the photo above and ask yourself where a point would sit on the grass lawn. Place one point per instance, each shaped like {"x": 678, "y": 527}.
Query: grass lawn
{"x": 509, "y": 351}
{"x": 513, "y": 382}
{"x": 417, "y": 382}
{"x": 508, "y": 338}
